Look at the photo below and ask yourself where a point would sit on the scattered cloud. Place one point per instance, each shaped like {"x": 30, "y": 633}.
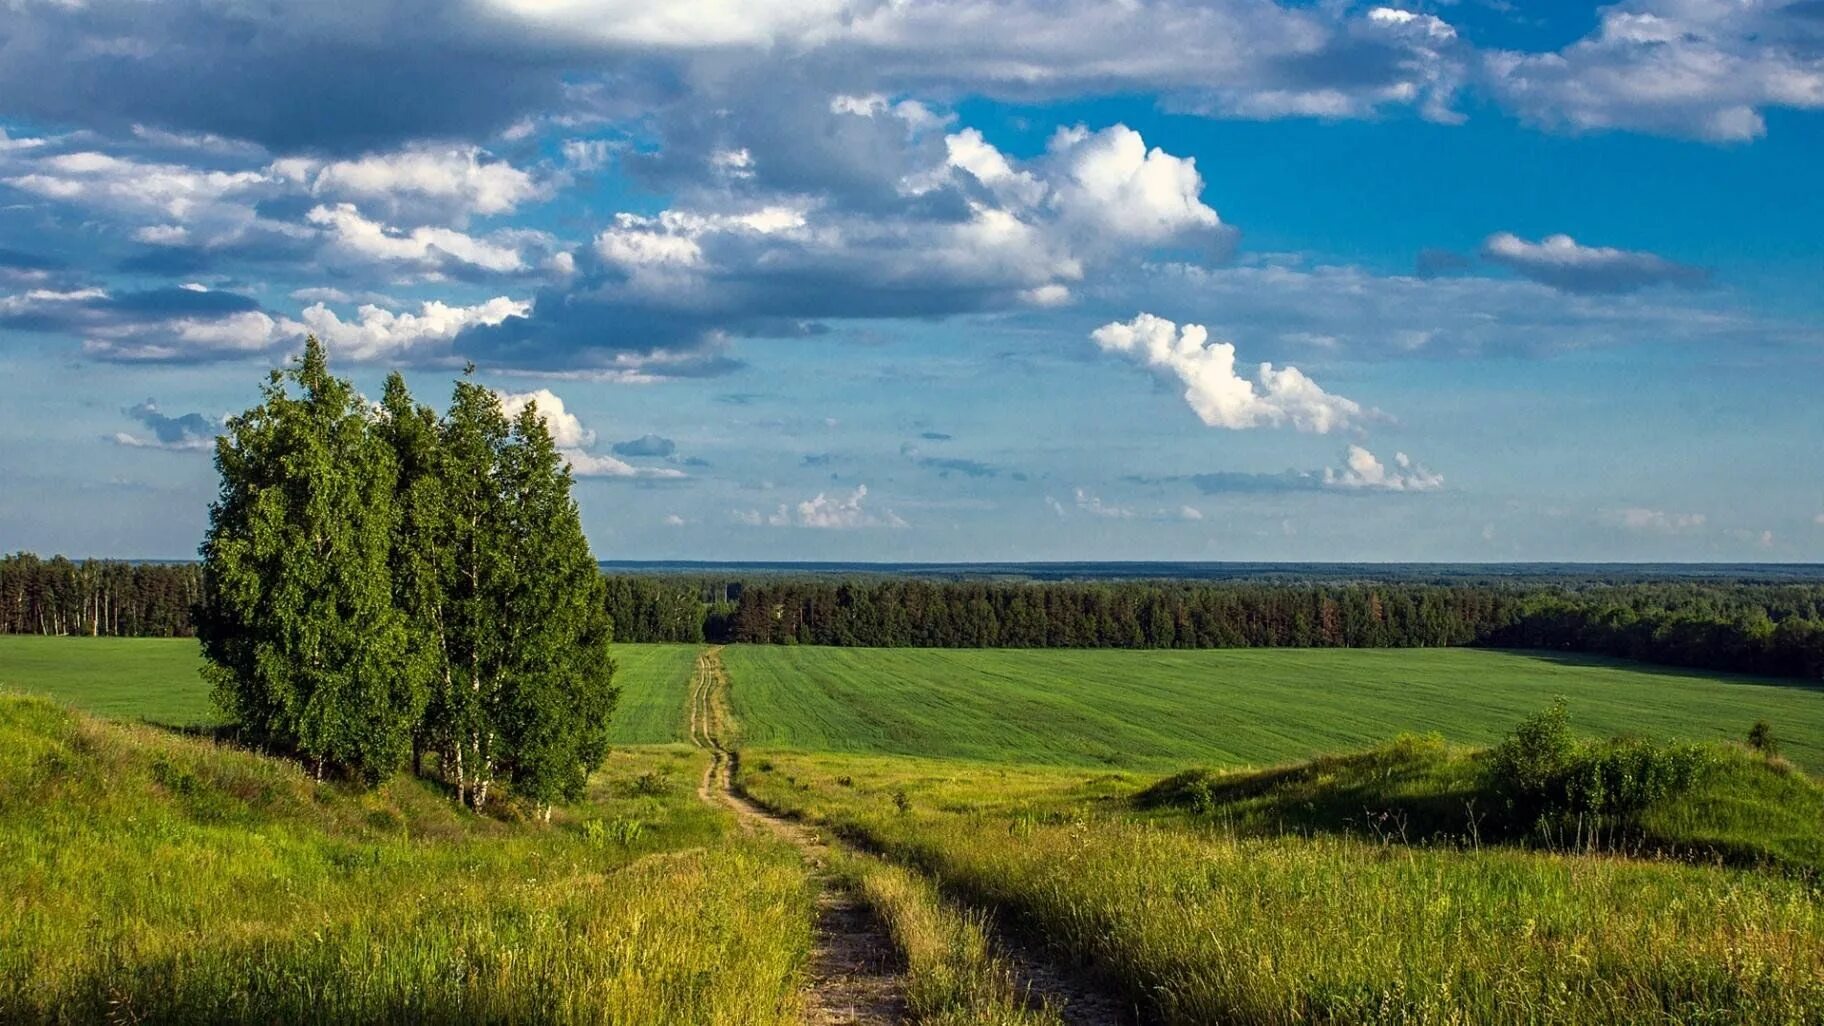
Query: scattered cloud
{"x": 450, "y": 181}
{"x": 424, "y": 248}
{"x": 573, "y": 439}
{"x": 646, "y": 445}
{"x": 1362, "y": 470}
{"x": 825, "y": 512}
{"x": 190, "y": 432}
{"x": 1221, "y": 397}
{"x": 381, "y": 334}
{"x": 1653, "y": 521}
{"x": 947, "y": 465}
{"x": 1092, "y": 505}
{"x": 1561, "y": 262}
{"x": 1690, "y": 68}
{"x": 168, "y": 324}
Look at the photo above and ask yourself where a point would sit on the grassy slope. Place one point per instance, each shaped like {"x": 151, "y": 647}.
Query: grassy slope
{"x": 1161, "y": 710}
{"x": 1742, "y": 808}
{"x": 157, "y": 679}
{"x": 150, "y": 877}
{"x": 1205, "y": 925}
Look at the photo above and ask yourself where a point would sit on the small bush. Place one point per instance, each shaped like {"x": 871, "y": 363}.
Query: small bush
{"x": 1622, "y": 777}
{"x": 1531, "y": 759}
{"x": 652, "y": 784}
{"x": 1762, "y": 739}
{"x": 901, "y": 801}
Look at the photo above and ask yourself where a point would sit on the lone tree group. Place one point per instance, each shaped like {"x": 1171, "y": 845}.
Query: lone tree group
{"x": 381, "y": 583}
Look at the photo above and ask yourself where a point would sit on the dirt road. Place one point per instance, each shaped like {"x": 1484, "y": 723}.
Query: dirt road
{"x": 855, "y": 971}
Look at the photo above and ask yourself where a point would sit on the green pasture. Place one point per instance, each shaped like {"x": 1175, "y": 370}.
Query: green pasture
{"x": 1156, "y": 709}
{"x": 159, "y": 680}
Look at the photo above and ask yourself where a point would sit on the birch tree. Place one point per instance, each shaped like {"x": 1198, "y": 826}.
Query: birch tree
{"x": 304, "y": 644}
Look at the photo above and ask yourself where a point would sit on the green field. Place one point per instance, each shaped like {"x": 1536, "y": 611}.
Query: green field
{"x": 158, "y": 680}
{"x": 1150, "y": 709}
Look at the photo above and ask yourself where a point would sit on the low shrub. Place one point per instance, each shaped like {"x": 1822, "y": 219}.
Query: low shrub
{"x": 1541, "y": 770}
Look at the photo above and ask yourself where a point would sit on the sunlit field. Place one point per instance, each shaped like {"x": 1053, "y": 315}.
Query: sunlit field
{"x": 159, "y": 680}
{"x": 1164, "y": 709}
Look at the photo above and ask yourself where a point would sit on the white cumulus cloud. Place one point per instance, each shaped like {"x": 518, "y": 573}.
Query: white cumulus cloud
{"x": 378, "y": 333}
{"x": 1363, "y": 470}
{"x": 1220, "y": 396}
{"x": 573, "y": 439}
{"x": 824, "y": 511}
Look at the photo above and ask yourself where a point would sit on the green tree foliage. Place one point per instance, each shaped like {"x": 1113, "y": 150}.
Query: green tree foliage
{"x": 384, "y": 580}
{"x": 557, "y": 691}
{"x": 304, "y": 643}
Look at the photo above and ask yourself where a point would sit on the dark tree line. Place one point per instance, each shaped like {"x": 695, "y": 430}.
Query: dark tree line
{"x": 106, "y": 598}
{"x": 1759, "y": 628}
{"x": 1747, "y": 628}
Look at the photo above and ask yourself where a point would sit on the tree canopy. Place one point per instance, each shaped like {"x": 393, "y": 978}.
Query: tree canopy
{"x": 379, "y": 580}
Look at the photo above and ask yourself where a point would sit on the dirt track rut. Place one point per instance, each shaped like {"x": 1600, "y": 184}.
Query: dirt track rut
{"x": 856, "y": 975}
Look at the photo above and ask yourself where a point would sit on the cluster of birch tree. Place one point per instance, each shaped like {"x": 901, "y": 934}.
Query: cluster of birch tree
{"x": 383, "y": 584}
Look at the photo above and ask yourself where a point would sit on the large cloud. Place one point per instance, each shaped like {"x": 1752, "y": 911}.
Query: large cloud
{"x": 1696, "y": 68}
{"x": 1220, "y": 396}
{"x": 967, "y": 230}
{"x": 350, "y": 78}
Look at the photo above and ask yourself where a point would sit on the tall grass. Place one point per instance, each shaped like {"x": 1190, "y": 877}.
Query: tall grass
{"x": 1206, "y": 926}
{"x": 154, "y": 878}
{"x": 954, "y": 977}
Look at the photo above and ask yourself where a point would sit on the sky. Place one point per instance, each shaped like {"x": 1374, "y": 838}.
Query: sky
{"x": 945, "y": 280}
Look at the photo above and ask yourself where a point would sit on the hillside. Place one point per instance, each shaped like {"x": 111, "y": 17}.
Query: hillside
{"x": 152, "y": 877}
{"x": 1741, "y": 808}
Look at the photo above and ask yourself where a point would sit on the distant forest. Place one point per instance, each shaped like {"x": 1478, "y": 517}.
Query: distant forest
{"x": 1771, "y": 629}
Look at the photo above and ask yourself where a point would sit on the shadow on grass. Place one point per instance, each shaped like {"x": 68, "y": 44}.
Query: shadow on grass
{"x": 1690, "y": 673}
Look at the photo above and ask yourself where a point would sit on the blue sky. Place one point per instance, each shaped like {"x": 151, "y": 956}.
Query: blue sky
{"x": 948, "y": 280}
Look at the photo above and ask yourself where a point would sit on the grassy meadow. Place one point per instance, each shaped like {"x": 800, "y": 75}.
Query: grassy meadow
{"x": 159, "y": 680}
{"x": 1204, "y": 923}
{"x": 1217, "y": 836}
{"x": 152, "y": 877}
{"x": 1168, "y": 709}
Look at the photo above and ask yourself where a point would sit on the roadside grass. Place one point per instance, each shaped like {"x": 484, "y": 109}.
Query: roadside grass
{"x": 1162, "y": 710}
{"x": 159, "y": 680}
{"x": 1205, "y": 923}
{"x": 150, "y": 877}
{"x": 953, "y": 975}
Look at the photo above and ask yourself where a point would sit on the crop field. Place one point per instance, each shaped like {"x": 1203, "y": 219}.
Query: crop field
{"x": 1168, "y": 709}
{"x": 159, "y": 680}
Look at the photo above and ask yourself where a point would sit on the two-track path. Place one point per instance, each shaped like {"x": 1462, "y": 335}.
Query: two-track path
{"x": 856, "y": 975}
